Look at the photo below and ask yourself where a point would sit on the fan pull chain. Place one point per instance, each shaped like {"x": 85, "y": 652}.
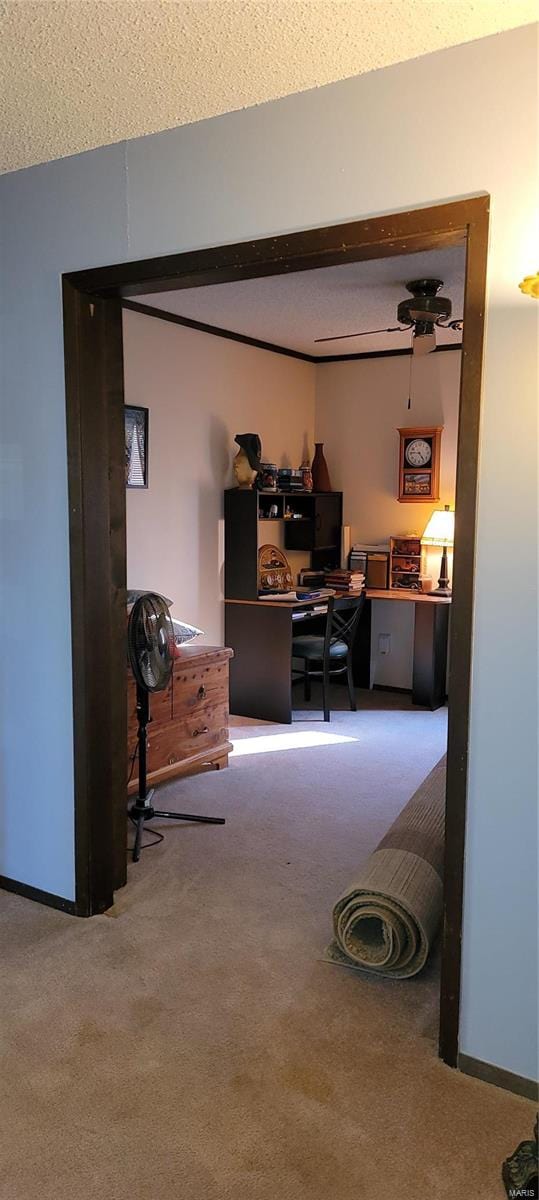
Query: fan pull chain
{"x": 410, "y": 378}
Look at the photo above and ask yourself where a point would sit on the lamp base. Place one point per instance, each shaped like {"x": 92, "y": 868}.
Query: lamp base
{"x": 443, "y": 588}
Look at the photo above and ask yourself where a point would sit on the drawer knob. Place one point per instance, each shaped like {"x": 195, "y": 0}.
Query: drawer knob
{"x": 201, "y": 692}
{"x": 197, "y": 732}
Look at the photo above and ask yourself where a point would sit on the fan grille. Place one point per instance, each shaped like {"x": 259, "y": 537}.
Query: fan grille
{"x": 150, "y": 638}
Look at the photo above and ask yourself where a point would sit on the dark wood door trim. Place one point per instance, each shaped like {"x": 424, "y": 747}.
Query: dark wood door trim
{"x": 94, "y": 380}
{"x": 461, "y": 630}
{"x": 356, "y": 241}
{"x": 96, "y": 478}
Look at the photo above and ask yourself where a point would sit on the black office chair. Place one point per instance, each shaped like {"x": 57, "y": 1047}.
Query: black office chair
{"x": 333, "y": 652}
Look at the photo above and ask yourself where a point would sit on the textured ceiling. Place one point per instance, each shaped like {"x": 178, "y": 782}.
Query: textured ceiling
{"x": 83, "y": 73}
{"x": 293, "y": 310}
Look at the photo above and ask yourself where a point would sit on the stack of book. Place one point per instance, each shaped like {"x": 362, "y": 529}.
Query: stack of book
{"x": 345, "y": 581}
{"x": 289, "y": 480}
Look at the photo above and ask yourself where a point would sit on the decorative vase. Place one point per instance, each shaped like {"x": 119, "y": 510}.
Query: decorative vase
{"x": 321, "y": 480}
{"x": 247, "y": 461}
{"x": 307, "y": 477}
{"x": 245, "y": 475}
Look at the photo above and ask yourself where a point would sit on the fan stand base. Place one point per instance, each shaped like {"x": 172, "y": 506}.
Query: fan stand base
{"x": 142, "y": 810}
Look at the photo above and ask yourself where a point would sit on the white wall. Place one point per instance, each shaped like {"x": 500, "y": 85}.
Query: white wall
{"x": 359, "y": 407}
{"x": 201, "y": 391}
{"x": 345, "y": 151}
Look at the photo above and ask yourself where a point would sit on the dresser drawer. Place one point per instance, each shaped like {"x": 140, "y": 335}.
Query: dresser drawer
{"x": 195, "y": 734}
{"x": 200, "y": 689}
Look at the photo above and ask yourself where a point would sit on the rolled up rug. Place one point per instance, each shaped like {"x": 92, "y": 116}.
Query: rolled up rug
{"x": 387, "y": 919}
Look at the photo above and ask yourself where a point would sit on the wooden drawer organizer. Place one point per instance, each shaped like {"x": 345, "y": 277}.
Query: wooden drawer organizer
{"x": 189, "y": 720}
{"x": 405, "y": 562}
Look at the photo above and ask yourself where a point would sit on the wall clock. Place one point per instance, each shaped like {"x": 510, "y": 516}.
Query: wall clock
{"x": 419, "y": 464}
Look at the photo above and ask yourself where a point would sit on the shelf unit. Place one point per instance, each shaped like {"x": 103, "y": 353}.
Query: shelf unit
{"x": 405, "y": 562}
{"x": 316, "y": 531}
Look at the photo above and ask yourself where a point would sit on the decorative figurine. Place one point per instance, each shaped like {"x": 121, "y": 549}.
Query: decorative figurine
{"x": 247, "y": 461}
{"x": 267, "y": 480}
{"x": 307, "y": 476}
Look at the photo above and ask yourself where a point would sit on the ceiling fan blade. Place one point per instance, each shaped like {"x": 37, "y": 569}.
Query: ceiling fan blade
{"x": 340, "y": 337}
{"x": 423, "y": 343}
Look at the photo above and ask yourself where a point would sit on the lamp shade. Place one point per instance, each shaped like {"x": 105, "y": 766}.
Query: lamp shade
{"x": 440, "y": 530}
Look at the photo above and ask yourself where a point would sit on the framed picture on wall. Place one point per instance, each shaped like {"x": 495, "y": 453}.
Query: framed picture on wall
{"x": 136, "y": 446}
{"x": 419, "y": 463}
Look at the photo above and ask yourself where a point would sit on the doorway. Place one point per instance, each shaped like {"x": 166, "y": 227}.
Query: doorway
{"x": 96, "y": 476}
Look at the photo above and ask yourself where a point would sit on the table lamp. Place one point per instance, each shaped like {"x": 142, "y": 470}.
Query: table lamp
{"x": 440, "y": 531}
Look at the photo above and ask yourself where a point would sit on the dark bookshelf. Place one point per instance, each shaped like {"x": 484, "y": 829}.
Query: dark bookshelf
{"x": 316, "y": 531}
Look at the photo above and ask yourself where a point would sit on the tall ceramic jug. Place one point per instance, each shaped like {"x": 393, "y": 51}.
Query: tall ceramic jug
{"x": 321, "y": 480}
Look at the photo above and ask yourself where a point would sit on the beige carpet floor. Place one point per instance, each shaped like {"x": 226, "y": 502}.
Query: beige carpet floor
{"x": 191, "y": 1044}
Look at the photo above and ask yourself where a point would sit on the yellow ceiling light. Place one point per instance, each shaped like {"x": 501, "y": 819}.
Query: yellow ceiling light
{"x": 530, "y": 285}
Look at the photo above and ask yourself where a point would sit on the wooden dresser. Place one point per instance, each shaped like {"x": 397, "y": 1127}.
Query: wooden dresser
{"x": 189, "y": 721}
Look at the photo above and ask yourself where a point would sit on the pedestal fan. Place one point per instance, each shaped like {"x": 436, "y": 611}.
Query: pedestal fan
{"x": 150, "y": 641}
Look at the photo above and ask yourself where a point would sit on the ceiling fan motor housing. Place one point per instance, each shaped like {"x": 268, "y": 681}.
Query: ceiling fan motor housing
{"x": 426, "y": 306}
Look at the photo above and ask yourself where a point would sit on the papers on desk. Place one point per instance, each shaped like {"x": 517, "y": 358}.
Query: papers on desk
{"x": 305, "y": 614}
{"x": 300, "y": 595}
{"x": 316, "y": 593}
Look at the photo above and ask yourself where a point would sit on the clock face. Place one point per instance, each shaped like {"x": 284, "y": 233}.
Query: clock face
{"x": 418, "y": 453}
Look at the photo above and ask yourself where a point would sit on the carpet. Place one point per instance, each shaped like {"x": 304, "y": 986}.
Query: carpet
{"x": 388, "y": 917}
{"x": 190, "y": 1045}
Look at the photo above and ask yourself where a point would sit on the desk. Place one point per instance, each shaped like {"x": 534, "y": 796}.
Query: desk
{"x": 261, "y": 634}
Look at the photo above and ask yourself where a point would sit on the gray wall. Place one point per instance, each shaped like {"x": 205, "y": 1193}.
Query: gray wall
{"x": 52, "y": 218}
{"x": 346, "y": 151}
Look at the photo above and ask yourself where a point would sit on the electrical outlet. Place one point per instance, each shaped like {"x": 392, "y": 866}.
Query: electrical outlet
{"x": 384, "y": 643}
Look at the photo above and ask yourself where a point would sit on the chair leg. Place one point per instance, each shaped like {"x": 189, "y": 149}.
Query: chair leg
{"x": 306, "y": 682}
{"x": 350, "y": 678}
{"x": 325, "y": 691}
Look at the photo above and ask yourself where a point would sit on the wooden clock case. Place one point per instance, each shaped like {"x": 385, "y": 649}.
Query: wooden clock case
{"x": 420, "y": 485}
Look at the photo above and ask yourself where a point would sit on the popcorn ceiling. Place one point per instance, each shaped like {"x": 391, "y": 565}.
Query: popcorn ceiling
{"x": 292, "y": 310}
{"x": 77, "y": 74}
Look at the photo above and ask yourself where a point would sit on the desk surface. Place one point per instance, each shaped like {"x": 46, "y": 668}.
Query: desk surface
{"x": 264, "y": 647}
{"x": 406, "y": 594}
{"x": 370, "y": 593}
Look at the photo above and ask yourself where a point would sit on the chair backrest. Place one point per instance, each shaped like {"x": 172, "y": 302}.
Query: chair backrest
{"x": 344, "y": 613}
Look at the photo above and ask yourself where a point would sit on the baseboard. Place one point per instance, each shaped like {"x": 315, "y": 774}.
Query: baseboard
{"x": 498, "y": 1076}
{"x": 40, "y": 897}
{"x": 387, "y": 687}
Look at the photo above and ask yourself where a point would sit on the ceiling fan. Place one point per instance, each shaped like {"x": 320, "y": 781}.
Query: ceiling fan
{"x": 421, "y": 315}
